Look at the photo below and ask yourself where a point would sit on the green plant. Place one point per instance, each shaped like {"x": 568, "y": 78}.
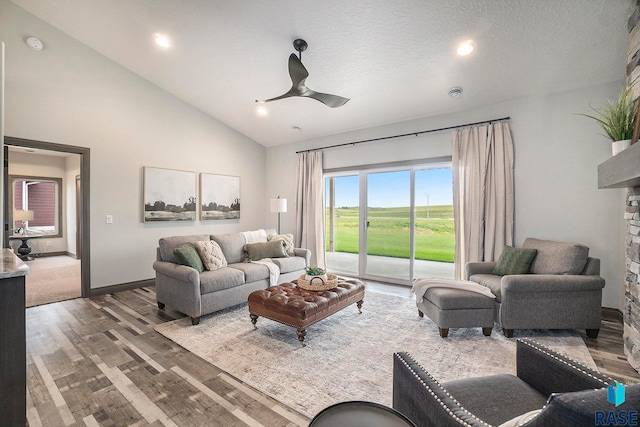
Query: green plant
{"x": 617, "y": 119}
{"x": 315, "y": 271}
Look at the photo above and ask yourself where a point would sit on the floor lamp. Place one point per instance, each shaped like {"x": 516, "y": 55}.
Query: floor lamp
{"x": 278, "y": 206}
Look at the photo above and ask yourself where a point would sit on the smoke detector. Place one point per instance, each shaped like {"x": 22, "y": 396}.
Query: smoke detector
{"x": 34, "y": 43}
{"x": 455, "y": 92}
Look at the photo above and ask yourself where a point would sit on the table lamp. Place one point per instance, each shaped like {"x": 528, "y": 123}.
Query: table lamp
{"x": 24, "y": 216}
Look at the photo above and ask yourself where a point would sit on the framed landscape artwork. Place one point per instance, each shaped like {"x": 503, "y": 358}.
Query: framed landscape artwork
{"x": 219, "y": 197}
{"x": 169, "y": 195}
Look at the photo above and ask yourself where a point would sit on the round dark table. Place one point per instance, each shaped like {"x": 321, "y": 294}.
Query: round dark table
{"x": 360, "y": 414}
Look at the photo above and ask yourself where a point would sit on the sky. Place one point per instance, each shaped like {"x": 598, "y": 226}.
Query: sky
{"x": 391, "y": 189}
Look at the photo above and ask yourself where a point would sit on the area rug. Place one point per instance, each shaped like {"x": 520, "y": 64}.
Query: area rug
{"x": 349, "y": 355}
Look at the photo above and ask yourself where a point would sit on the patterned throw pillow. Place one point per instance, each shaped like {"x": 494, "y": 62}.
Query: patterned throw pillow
{"x": 514, "y": 261}
{"x": 288, "y": 241}
{"x": 211, "y": 254}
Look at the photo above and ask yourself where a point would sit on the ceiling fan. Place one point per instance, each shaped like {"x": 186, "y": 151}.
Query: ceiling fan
{"x": 299, "y": 74}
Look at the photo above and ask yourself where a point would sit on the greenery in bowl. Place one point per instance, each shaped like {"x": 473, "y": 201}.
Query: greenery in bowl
{"x": 617, "y": 119}
{"x": 315, "y": 271}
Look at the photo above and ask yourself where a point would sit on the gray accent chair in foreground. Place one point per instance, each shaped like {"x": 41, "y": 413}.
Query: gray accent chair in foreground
{"x": 562, "y": 291}
{"x": 569, "y": 394}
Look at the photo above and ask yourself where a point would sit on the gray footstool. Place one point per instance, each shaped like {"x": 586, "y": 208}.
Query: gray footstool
{"x": 455, "y": 308}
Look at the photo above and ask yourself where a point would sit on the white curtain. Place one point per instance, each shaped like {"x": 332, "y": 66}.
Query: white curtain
{"x": 483, "y": 198}
{"x": 310, "y": 206}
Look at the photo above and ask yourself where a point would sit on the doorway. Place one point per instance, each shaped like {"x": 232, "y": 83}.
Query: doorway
{"x": 391, "y": 224}
{"x": 80, "y": 192}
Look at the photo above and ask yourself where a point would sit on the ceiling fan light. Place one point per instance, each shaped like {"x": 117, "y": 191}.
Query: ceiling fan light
{"x": 261, "y": 111}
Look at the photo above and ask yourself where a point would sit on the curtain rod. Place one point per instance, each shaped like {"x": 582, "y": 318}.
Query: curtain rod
{"x": 402, "y": 135}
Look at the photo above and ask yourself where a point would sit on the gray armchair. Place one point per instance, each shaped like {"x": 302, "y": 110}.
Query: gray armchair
{"x": 562, "y": 291}
{"x": 568, "y": 394}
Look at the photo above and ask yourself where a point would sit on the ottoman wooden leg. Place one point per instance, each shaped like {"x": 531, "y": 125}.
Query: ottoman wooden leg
{"x": 487, "y": 331}
{"x": 161, "y": 305}
{"x": 254, "y": 319}
{"x": 444, "y": 332}
{"x": 359, "y": 303}
{"x": 421, "y": 314}
{"x": 508, "y": 332}
{"x": 301, "y": 334}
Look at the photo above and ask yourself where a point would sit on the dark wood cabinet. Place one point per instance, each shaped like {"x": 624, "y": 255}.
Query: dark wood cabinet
{"x": 13, "y": 364}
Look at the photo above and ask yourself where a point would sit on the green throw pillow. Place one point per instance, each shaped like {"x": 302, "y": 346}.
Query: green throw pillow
{"x": 514, "y": 261}
{"x": 272, "y": 249}
{"x": 188, "y": 255}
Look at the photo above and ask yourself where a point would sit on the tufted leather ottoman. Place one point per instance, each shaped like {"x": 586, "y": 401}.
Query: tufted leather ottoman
{"x": 299, "y": 308}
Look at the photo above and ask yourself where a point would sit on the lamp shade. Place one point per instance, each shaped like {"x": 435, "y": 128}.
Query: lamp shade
{"x": 278, "y": 205}
{"x": 22, "y": 215}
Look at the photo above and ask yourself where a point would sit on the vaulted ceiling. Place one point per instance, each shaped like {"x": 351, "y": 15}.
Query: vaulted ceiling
{"x": 394, "y": 59}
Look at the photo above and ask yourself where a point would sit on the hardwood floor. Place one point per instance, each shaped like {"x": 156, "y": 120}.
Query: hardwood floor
{"x": 98, "y": 362}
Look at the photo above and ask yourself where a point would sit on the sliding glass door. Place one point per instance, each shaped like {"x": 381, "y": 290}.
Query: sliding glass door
{"x": 391, "y": 225}
{"x": 388, "y": 225}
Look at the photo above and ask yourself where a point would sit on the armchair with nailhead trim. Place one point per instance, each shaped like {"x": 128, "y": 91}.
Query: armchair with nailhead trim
{"x": 548, "y": 390}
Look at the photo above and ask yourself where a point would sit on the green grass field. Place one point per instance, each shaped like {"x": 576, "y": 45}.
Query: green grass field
{"x": 388, "y": 232}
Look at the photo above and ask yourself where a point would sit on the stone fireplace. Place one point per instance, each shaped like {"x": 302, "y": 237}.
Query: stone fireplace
{"x": 631, "y": 309}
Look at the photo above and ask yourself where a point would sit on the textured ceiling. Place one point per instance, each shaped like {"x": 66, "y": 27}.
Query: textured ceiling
{"x": 395, "y": 59}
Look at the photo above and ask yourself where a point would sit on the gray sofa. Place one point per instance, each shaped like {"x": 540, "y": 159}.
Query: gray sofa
{"x": 565, "y": 392}
{"x": 562, "y": 291}
{"x": 196, "y": 294}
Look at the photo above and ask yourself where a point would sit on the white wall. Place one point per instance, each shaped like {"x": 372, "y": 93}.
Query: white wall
{"x": 557, "y": 153}
{"x": 69, "y": 94}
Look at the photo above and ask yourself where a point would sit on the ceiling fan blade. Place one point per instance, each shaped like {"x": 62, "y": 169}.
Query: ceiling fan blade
{"x": 327, "y": 99}
{"x": 289, "y": 94}
{"x": 297, "y": 71}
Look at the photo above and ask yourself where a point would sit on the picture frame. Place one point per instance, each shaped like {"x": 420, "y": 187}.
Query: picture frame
{"x": 169, "y": 195}
{"x": 219, "y": 197}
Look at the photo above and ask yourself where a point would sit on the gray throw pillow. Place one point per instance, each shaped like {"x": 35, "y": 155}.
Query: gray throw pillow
{"x": 514, "y": 261}
{"x": 188, "y": 255}
{"x": 273, "y": 249}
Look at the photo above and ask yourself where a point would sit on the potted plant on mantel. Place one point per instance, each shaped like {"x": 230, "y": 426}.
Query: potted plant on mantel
{"x": 618, "y": 119}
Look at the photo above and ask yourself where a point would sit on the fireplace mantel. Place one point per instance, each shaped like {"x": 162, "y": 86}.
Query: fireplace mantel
{"x": 622, "y": 170}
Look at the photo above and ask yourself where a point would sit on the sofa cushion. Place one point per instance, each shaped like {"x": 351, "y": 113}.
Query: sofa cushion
{"x": 514, "y": 261}
{"x": 168, "y": 244}
{"x": 211, "y": 254}
{"x": 290, "y": 264}
{"x": 188, "y": 255}
{"x": 457, "y": 299}
{"x": 273, "y": 249}
{"x": 491, "y": 281}
{"x": 286, "y": 238}
{"x": 217, "y": 280}
{"x": 231, "y": 245}
{"x": 521, "y": 397}
{"x": 252, "y": 272}
{"x": 557, "y": 257}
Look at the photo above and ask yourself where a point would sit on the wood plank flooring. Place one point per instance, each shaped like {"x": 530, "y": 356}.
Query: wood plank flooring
{"x": 98, "y": 362}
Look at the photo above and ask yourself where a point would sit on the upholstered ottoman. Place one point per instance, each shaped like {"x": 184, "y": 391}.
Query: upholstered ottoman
{"x": 299, "y": 308}
{"x": 457, "y": 308}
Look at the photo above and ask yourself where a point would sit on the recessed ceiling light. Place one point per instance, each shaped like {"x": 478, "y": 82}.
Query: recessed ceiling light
{"x": 34, "y": 43}
{"x": 161, "y": 40}
{"x": 455, "y": 92}
{"x": 465, "y": 48}
{"x": 261, "y": 111}
{"x": 296, "y": 128}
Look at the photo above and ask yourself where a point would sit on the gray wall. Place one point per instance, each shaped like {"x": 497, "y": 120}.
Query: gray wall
{"x": 556, "y": 157}
{"x": 69, "y": 94}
